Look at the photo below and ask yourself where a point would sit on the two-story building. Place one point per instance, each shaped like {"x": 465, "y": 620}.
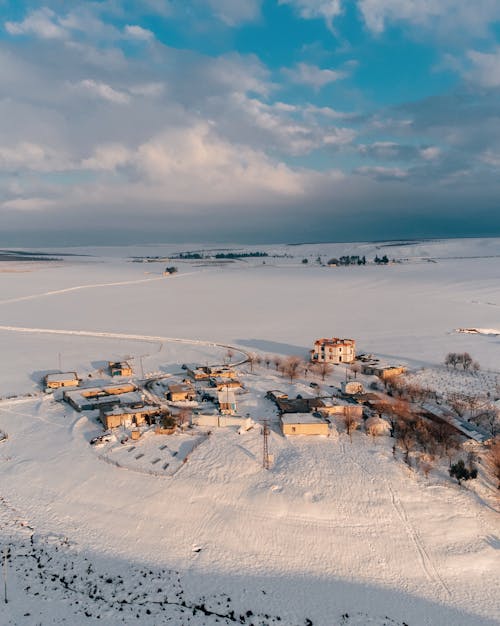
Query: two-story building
{"x": 333, "y": 350}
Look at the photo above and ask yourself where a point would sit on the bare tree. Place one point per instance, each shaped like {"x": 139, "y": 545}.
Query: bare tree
{"x": 183, "y": 418}
{"x": 447, "y": 437}
{"x": 426, "y": 463}
{"x": 350, "y": 420}
{"x": 467, "y": 360}
{"x": 458, "y": 402}
{"x": 229, "y": 354}
{"x": 452, "y": 359}
{"x": 323, "y": 369}
{"x": 277, "y": 362}
{"x": 405, "y": 436}
{"x": 291, "y": 367}
{"x": 267, "y": 360}
{"x": 251, "y": 360}
{"x": 355, "y": 369}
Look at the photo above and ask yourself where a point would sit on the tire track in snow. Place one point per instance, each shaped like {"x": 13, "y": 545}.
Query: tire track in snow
{"x": 57, "y": 292}
{"x": 133, "y": 337}
{"x": 425, "y": 560}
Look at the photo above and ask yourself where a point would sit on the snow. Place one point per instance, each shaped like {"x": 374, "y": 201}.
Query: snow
{"x": 335, "y": 533}
{"x": 301, "y": 418}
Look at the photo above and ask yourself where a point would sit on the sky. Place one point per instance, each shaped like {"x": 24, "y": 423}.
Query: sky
{"x": 249, "y": 121}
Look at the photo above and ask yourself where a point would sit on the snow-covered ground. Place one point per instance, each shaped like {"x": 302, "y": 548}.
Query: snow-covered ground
{"x": 335, "y": 533}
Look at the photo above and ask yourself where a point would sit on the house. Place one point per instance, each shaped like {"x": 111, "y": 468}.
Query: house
{"x": 120, "y": 368}
{"x": 303, "y": 424}
{"x": 227, "y": 401}
{"x": 124, "y": 416}
{"x": 223, "y": 383}
{"x": 275, "y": 394}
{"x": 180, "y": 393}
{"x": 341, "y": 407}
{"x": 333, "y": 350}
{"x": 298, "y": 405}
{"x": 211, "y": 371}
{"x": 220, "y": 371}
{"x": 197, "y": 373}
{"x": 61, "y": 379}
{"x": 382, "y": 370}
{"x": 90, "y": 398}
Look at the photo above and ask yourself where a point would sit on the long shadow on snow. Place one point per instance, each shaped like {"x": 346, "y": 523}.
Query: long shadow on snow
{"x": 54, "y": 578}
{"x": 274, "y": 347}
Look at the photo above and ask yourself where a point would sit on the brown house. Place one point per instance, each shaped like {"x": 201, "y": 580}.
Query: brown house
{"x": 61, "y": 379}
{"x": 180, "y": 393}
{"x": 123, "y": 416}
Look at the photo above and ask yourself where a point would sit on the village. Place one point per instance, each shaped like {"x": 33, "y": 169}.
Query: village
{"x": 334, "y": 390}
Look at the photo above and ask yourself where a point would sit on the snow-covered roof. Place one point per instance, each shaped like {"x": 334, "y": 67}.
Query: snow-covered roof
{"x": 61, "y": 377}
{"x": 121, "y": 410}
{"x": 301, "y": 418}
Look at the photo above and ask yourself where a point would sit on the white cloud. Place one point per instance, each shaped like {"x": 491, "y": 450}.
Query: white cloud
{"x": 240, "y": 73}
{"x": 283, "y": 127}
{"x": 27, "y": 204}
{"x": 195, "y": 159}
{"x": 32, "y": 156}
{"x": 382, "y": 173}
{"x": 103, "y": 91}
{"x": 313, "y": 9}
{"x": 432, "y": 14}
{"x": 430, "y": 153}
{"x": 443, "y": 15}
{"x": 486, "y": 67}
{"x": 147, "y": 89}
{"x": 108, "y": 157}
{"x": 234, "y": 12}
{"x": 42, "y": 23}
{"x": 491, "y": 158}
{"x": 138, "y": 32}
{"x": 316, "y": 77}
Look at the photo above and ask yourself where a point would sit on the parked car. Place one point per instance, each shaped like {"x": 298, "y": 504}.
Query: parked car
{"x": 314, "y": 385}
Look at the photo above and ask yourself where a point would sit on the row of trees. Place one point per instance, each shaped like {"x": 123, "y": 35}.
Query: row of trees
{"x": 463, "y": 359}
{"x": 292, "y": 367}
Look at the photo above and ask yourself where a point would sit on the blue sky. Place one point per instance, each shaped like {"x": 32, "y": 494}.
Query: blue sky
{"x": 248, "y": 120}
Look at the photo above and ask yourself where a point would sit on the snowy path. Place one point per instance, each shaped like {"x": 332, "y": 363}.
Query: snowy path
{"x": 57, "y": 292}
{"x": 128, "y": 336}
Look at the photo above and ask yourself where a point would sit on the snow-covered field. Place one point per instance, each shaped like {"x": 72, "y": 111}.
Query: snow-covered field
{"x": 335, "y": 533}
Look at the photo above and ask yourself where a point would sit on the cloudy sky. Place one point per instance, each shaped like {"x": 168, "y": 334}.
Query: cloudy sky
{"x": 248, "y": 120}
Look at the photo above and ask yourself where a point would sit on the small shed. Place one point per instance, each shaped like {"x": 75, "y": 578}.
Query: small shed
{"x": 303, "y": 424}
{"x": 180, "y": 393}
{"x": 120, "y": 368}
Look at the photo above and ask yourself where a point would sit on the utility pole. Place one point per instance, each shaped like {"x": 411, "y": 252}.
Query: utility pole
{"x": 59, "y": 361}
{"x": 266, "y": 461}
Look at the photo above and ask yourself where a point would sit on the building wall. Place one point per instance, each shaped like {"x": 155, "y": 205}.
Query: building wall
{"x": 112, "y": 421}
{"x": 356, "y": 410}
{"x": 341, "y": 353}
{"x": 57, "y": 384}
{"x": 392, "y": 372}
{"x": 305, "y": 429}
